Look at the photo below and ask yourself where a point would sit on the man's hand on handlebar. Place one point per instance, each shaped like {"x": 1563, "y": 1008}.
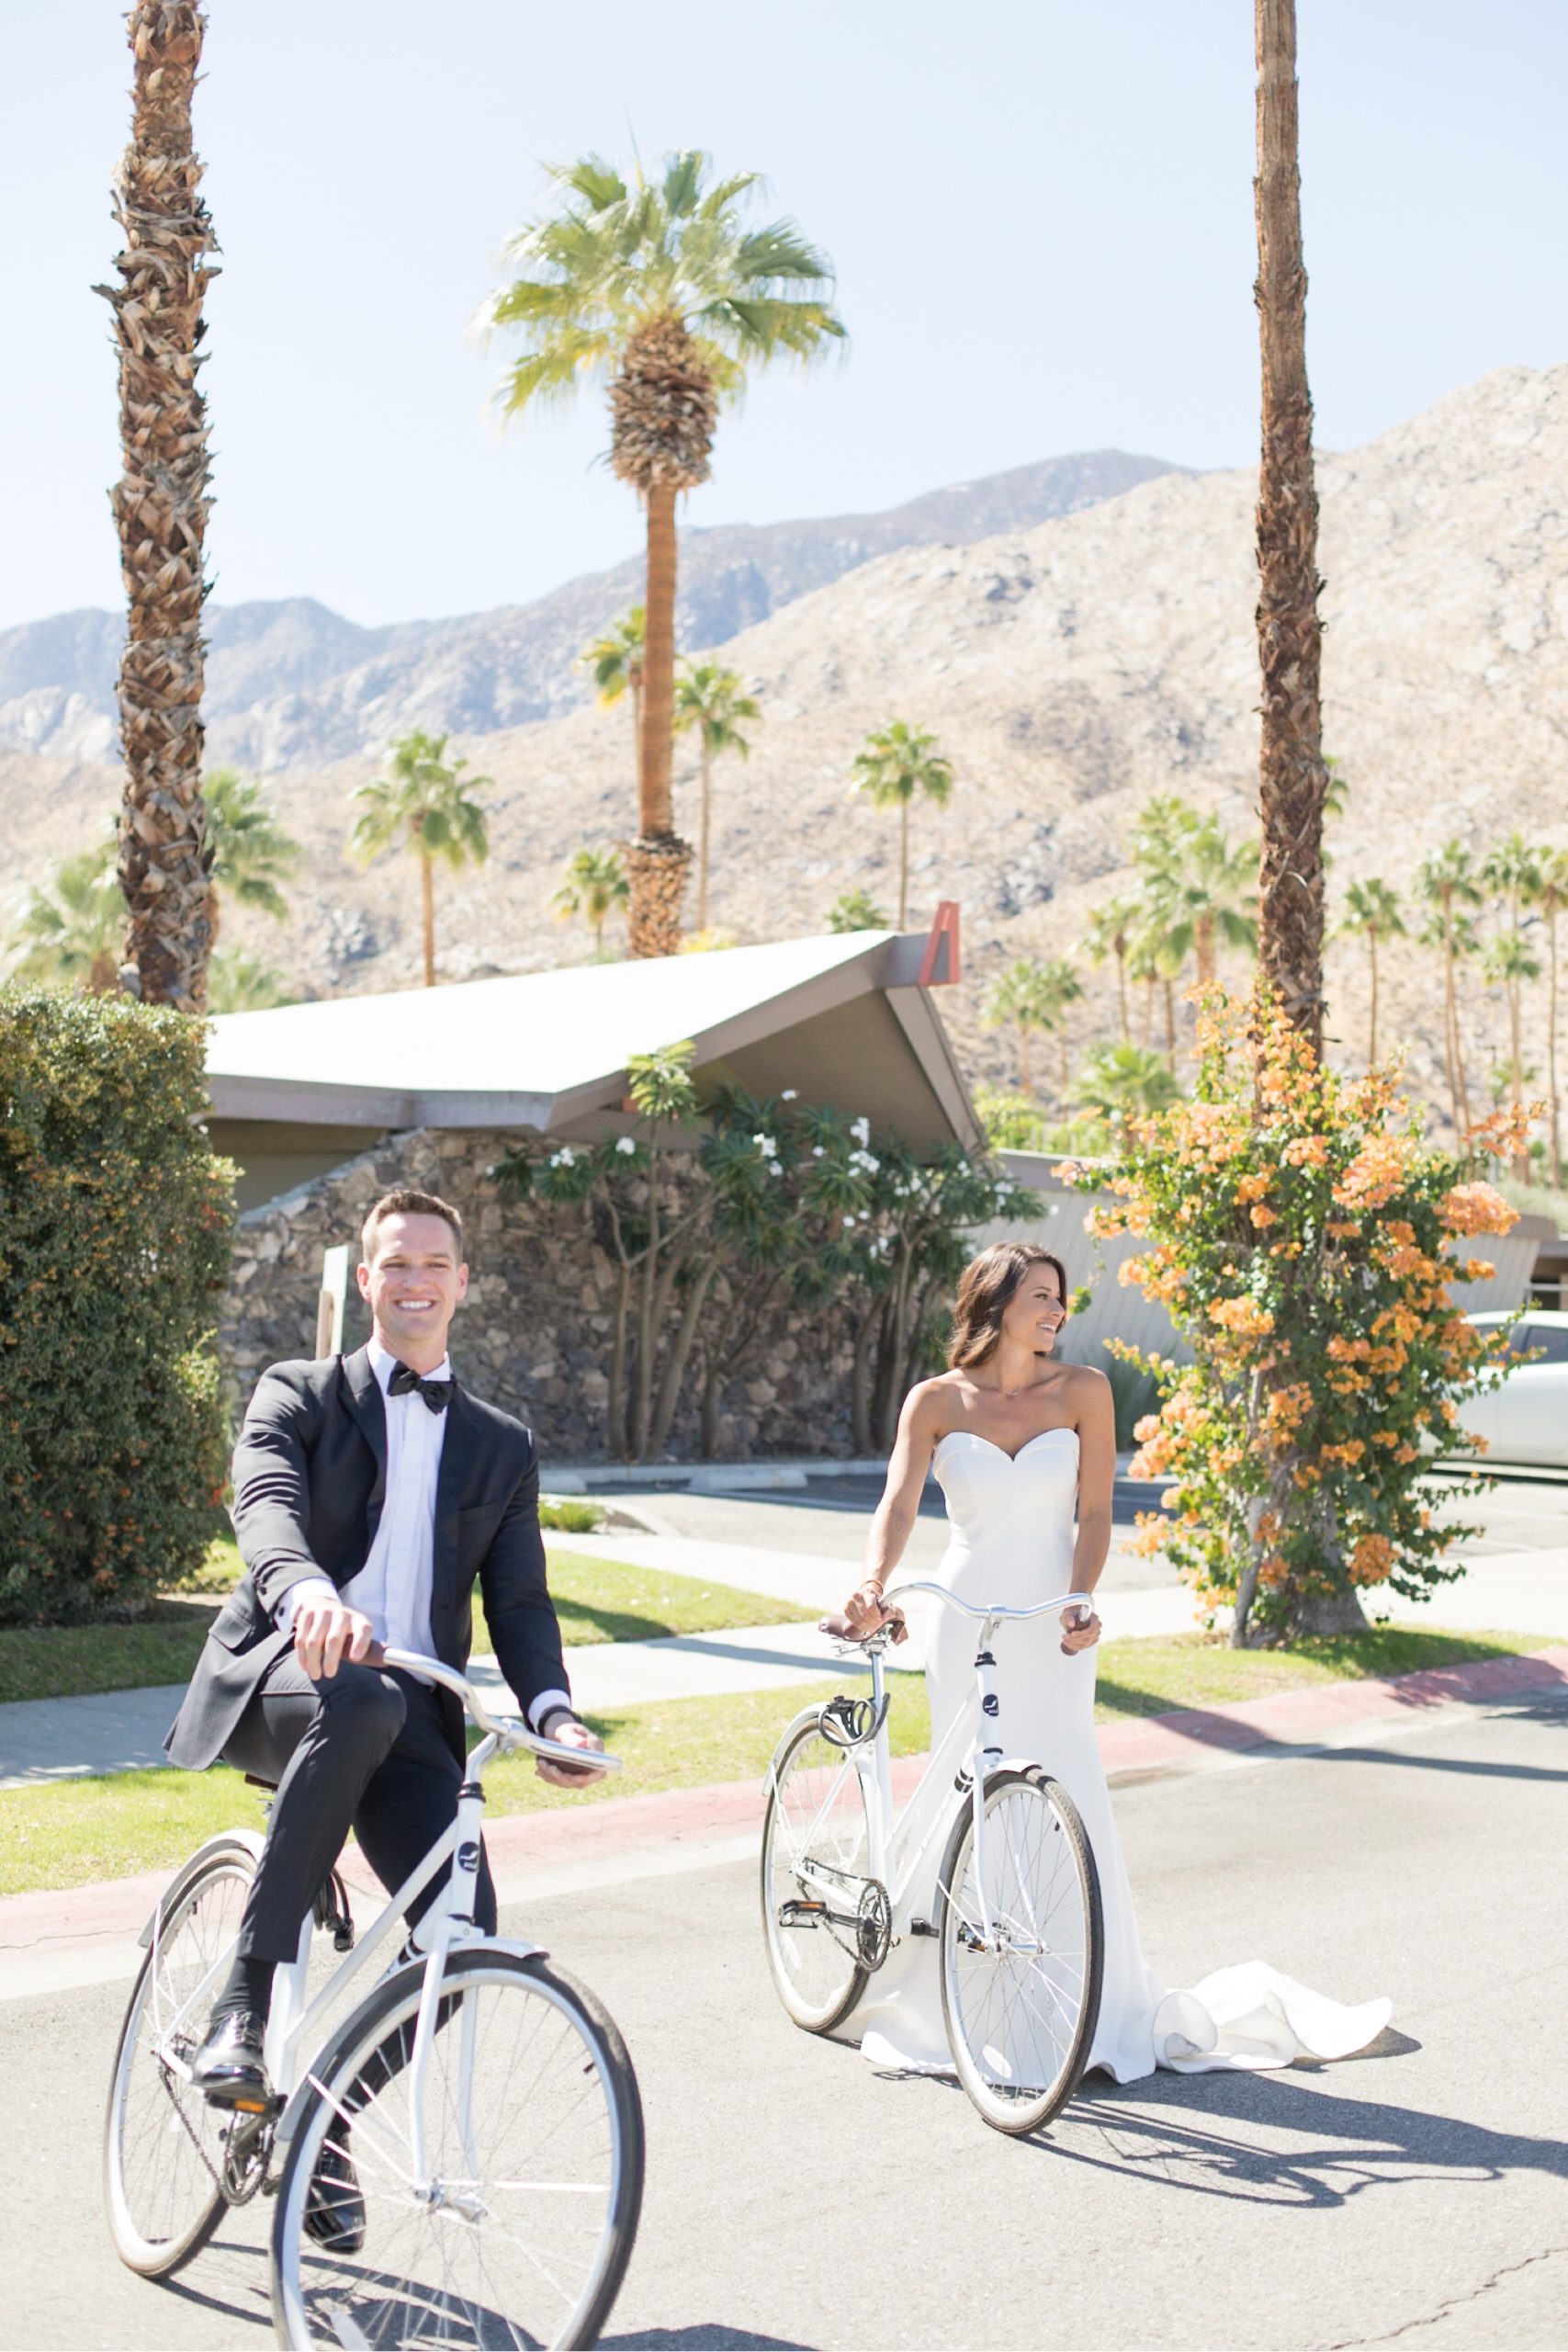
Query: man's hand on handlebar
{"x": 325, "y": 1633}
{"x": 572, "y": 1733}
{"x": 866, "y": 1609}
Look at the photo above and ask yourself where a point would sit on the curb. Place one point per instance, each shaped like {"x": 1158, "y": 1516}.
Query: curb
{"x": 51, "y": 1941}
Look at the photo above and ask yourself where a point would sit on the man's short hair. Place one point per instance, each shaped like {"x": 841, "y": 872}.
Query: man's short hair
{"x": 407, "y": 1200}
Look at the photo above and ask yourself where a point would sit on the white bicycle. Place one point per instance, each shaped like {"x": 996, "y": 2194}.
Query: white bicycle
{"x": 485, "y": 2100}
{"x": 1018, "y": 1924}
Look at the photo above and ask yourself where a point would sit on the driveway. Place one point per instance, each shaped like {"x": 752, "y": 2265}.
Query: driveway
{"x": 1414, "y": 2196}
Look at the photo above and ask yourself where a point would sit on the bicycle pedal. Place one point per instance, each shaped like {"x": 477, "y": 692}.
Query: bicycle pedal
{"x": 922, "y": 1927}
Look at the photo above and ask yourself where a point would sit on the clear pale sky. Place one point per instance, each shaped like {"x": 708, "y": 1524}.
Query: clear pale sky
{"x": 1039, "y": 210}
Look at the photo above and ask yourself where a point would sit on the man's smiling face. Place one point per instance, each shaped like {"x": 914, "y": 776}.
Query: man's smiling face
{"x": 414, "y": 1284}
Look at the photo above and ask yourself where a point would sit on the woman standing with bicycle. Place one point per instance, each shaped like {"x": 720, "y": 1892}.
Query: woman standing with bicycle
{"x": 1022, "y": 1443}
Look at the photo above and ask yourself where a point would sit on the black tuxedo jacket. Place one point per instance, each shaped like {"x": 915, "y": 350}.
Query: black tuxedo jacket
{"x": 310, "y": 1480}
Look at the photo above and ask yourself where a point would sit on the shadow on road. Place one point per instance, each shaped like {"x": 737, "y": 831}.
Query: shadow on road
{"x": 1171, "y": 2129}
{"x": 708, "y": 2335}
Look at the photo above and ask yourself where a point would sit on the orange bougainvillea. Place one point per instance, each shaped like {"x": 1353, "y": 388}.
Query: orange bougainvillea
{"x": 1300, "y": 1232}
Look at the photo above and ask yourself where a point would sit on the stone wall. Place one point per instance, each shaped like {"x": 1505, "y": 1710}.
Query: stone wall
{"x": 534, "y": 1335}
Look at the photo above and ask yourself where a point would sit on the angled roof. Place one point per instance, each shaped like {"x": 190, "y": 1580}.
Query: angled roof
{"x": 843, "y": 1018}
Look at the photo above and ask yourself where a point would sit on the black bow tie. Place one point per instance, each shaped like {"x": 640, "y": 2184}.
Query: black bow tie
{"x": 437, "y": 1394}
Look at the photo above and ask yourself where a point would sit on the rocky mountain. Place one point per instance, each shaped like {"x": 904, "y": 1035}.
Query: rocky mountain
{"x": 1070, "y": 668}
{"x": 292, "y": 684}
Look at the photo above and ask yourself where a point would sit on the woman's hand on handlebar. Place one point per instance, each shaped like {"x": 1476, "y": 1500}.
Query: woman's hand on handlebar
{"x": 1080, "y": 1628}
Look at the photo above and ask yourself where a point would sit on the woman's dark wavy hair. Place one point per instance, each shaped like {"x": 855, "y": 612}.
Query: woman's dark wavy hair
{"x": 986, "y": 1288}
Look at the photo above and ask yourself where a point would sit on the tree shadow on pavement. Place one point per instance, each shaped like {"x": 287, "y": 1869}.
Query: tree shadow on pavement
{"x": 1172, "y": 2129}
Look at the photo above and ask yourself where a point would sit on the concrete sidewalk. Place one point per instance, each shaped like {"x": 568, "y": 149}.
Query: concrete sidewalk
{"x": 50, "y": 1942}
{"x": 122, "y": 1731}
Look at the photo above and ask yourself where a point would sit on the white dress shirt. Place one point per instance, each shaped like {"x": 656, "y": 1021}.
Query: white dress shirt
{"x": 393, "y": 1588}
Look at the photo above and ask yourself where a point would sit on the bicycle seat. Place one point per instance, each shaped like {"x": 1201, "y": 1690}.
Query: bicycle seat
{"x": 839, "y": 1628}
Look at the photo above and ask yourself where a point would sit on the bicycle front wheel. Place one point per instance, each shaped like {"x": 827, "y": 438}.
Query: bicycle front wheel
{"x": 1023, "y": 1950}
{"x": 164, "y": 2147}
{"x": 816, "y": 1856}
{"x": 496, "y": 2205}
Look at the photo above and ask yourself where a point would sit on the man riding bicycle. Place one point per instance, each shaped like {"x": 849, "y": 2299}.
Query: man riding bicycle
{"x": 370, "y": 1492}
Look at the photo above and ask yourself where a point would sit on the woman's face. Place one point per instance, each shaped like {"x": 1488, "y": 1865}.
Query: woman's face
{"x": 1036, "y": 1311}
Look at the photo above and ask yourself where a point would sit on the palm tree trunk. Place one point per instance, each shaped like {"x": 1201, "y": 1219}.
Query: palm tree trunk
{"x": 1551, "y": 1048}
{"x": 1122, "y": 996}
{"x": 1451, "y": 1024}
{"x": 1024, "y": 1079}
{"x": 902, "y": 866}
{"x": 427, "y": 915}
{"x": 1203, "y": 947}
{"x": 1521, "y": 1158}
{"x": 1169, "y": 1023}
{"x": 1066, "y": 1072}
{"x": 1373, "y": 1024}
{"x": 159, "y": 509}
{"x": 1148, "y": 1008}
{"x": 1292, "y": 776}
{"x": 657, "y": 861}
{"x": 707, "y": 757}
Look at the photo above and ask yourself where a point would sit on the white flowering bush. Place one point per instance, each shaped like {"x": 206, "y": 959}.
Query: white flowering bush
{"x": 718, "y": 1215}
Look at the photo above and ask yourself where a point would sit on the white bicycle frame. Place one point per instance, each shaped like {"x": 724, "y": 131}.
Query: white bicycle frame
{"x": 897, "y": 1844}
{"x": 447, "y": 1925}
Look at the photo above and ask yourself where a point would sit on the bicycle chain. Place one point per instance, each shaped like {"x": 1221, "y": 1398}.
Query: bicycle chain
{"x": 239, "y": 2194}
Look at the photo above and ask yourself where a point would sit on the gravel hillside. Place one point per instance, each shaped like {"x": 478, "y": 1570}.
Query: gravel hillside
{"x": 1070, "y": 669}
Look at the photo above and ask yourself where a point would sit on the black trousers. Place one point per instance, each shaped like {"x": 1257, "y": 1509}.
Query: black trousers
{"x": 365, "y": 1750}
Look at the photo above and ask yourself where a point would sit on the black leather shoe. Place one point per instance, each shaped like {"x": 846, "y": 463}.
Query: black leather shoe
{"x": 334, "y": 2211}
{"x": 229, "y": 2067}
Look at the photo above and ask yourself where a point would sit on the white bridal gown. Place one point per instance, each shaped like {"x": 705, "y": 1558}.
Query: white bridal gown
{"x": 1013, "y": 1543}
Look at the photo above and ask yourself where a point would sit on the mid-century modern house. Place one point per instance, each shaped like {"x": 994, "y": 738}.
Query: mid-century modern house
{"x": 324, "y": 1105}
{"x": 849, "y": 1020}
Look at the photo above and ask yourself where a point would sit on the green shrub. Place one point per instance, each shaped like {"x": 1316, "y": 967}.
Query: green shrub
{"x": 571, "y": 1514}
{"x": 115, "y": 1221}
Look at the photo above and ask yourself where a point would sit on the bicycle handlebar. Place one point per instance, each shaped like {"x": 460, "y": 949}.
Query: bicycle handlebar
{"x": 1039, "y": 1609}
{"x": 504, "y": 1727}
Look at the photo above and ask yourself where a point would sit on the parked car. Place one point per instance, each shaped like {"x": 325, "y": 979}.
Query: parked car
{"x": 1526, "y": 1419}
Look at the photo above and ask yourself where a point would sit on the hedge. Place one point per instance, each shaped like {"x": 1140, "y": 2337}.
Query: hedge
{"x": 114, "y": 1225}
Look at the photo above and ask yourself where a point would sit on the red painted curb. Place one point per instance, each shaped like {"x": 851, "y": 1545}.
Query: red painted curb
{"x": 1186, "y": 1739}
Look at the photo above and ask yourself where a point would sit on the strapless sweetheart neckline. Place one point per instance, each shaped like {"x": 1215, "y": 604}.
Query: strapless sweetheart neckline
{"x": 1060, "y": 1429}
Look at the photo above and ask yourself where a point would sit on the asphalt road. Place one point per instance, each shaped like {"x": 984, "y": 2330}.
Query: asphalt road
{"x": 1414, "y": 2196}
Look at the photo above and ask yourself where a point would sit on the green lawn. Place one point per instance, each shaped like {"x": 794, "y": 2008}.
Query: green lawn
{"x": 77, "y": 1831}
{"x": 598, "y": 1600}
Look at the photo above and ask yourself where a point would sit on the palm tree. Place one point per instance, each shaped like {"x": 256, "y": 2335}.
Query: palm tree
{"x": 159, "y": 509}
{"x": 1510, "y": 961}
{"x": 856, "y": 911}
{"x": 898, "y": 764}
{"x": 240, "y": 983}
{"x": 1372, "y": 912}
{"x": 1551, "y": 895}
{"x": 1292, "y": 777}
{"x": 1446, "y": 882}
{"x": 1020, "y": 997}
{"x": 595, "y": 886}
{"x": 659, "y": 288}
{"x": 421, "y": 803}
{"x": 615, "y": 663}
{"x": 1110, "y": 933}
{"x": 251, "y": 851}
{"x": 1205, "y": 890}
{"x": 1120, "y": 1083}
{"x": 71, "y": 929}
{"x": 714, "y": 700}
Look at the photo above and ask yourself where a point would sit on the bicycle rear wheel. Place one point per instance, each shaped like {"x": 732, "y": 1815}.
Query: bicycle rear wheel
{"x": 521, "y": 2227}
{"x": 1023, "y": 1950}
{"x": 815, "y": 1835}
{"x": 164, "y": 2147}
